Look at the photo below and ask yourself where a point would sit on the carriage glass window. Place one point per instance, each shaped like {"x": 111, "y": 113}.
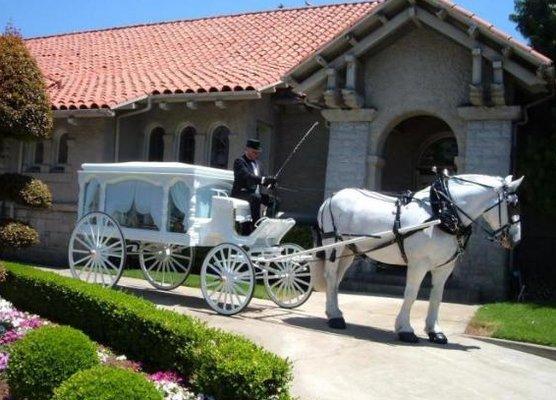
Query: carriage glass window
{"x": 203, "y": 204}
{"x": 178, "y": 207}
{"x": 91, "y": 199}
{"x": 135, "y": 204}
{"x": 186, "y": 150}
{"x": 220, "y": 147}
{"x": 156, "y": 145}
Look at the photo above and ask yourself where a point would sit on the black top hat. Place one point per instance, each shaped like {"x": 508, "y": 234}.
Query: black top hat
{"x": 253, "y": 144}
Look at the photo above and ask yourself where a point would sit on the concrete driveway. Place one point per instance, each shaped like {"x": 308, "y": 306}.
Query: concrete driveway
{"x": 366, "y": 361}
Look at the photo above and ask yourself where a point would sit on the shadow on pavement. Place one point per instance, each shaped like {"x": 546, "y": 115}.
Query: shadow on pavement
{"x": 365, "y": 332}
{"x": 362, "y": 332}
{"x": 171, "y": 299}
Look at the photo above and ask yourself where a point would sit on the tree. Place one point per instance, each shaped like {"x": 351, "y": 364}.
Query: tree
{"x": 25, "y": 114}
{"x": 536, "y": 20}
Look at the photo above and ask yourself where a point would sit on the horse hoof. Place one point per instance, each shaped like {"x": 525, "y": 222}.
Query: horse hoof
{"x": 337, "y": 323}
{"x": 438, "y": 338}
{"x": 408, "y": 337}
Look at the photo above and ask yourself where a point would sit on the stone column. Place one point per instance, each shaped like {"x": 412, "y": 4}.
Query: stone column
{"x": 169, "y": 150}
{"x": 484, "y": 268}
{"x": 347, "y": 148}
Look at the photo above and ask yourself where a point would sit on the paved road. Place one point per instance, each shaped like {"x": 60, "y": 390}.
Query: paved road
{"x": 365, "y": 361}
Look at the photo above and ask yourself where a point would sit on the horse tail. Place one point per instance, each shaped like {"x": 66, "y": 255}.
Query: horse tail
{"x": 317, "y": 265}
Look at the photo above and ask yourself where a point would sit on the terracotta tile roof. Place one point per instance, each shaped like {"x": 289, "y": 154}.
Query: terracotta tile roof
{"x": 105, "y": 68}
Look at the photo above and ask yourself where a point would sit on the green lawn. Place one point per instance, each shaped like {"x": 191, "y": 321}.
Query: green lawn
{"x": 524, "y": 322}
{"x": 194, "y": 280}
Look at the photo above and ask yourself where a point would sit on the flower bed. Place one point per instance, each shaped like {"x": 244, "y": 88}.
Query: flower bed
{"x": 15, "y": 324}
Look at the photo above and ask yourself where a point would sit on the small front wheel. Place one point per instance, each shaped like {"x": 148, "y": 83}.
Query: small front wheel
{"x": 288, "y": 283}
{"x": 96, "y": 251}
{"x": 227, "y": 279}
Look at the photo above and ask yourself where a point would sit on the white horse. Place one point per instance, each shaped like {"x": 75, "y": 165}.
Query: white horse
{"x": 357, "y": 212}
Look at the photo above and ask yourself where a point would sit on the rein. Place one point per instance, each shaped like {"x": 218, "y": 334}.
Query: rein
{"x": 492, "y": 234}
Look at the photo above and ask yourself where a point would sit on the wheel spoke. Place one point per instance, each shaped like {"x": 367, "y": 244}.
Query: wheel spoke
{"x": 82, "y": 259}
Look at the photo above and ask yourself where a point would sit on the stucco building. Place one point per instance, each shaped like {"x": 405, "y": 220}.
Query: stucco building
{"x": 397, "y": 85}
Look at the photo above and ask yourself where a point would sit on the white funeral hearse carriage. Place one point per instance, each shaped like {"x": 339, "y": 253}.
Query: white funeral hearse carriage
{"x": 161, "y": 212}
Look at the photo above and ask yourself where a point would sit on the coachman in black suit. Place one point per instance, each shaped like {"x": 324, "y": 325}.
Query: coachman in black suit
{"x": 249, "y": 179}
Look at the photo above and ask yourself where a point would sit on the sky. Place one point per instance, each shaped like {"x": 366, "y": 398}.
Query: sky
{"x": 48, "y": 17}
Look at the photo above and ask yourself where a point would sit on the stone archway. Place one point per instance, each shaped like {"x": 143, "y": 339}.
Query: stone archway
{"x": 412, "y": 148}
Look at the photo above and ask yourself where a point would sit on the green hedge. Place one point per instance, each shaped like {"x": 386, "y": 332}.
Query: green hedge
{"x": 45, "y": 358}
{"x": 221, "y": 364}
{"x": 25, "y": 190}
{"x": 107, "y": 383}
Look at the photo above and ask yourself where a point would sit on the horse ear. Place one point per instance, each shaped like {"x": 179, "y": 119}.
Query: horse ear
{"x": 515, "y": 184}
{"x": 508, "y": 180}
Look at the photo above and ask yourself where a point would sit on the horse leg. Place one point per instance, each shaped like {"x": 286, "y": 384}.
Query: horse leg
{"x": 432, "y": 328}
{"x": 332, "y": 276}
{"x": 415, "y": 275}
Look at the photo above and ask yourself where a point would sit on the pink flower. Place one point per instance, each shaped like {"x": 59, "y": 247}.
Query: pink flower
{"x": 10, "y": 336}
{"x": 4, "y": 358}
{"x": 166, "y": 376}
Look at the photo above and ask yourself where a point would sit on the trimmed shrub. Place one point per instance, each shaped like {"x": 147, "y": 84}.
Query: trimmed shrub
{"x": 300, "y": 235}
{"x": 25, "y": 190}
{"x": 221, "y": 364}
{"x": 46, "y": 357}
{"x": 17, "y": 234}
{"x": 107, "y": 383}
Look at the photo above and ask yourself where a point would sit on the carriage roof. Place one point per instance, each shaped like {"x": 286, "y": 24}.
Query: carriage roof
{"x": 171, "y": 168}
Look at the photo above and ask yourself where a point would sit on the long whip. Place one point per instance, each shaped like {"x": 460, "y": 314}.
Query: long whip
{"x": 295, "y": 149}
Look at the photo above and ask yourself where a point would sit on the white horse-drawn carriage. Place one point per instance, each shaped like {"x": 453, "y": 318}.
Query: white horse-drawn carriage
{"x": 161, "y": 212}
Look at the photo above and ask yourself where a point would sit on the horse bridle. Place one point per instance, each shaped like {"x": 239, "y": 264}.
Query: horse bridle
{"x": 502, "y": 234}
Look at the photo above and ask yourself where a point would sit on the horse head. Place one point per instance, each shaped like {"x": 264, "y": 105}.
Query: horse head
{"x": 503, "y": 216}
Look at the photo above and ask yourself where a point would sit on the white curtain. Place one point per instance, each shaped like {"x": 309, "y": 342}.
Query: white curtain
{"x": 203, "y": 203}
{"x": 119, "y": 197}
{"x": 148, "y": 200}
{"x": 180, "y": 194}
{"x": 147, "y": 197}
{"x": 91, "y": 195}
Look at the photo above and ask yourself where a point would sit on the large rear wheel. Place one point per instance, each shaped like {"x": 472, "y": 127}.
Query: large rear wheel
{"x": 96, "y": 250}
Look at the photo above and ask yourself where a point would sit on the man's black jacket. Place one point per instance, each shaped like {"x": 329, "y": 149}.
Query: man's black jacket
{"x": 245, "y": 180}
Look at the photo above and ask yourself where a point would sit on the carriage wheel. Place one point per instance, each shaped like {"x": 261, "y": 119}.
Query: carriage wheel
{"x": 96, "y": 250}
{"x": 227, "y": 279}
{"x": 166, "y": 266}
{"x": 288, "y": 283}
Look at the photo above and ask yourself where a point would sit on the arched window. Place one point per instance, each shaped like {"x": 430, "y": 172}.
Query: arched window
{"x": 220, "y": 147}
{"x": 186, "y": 149}
{"x": 156, "y": 145}
{"x": 62, "y": 156}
